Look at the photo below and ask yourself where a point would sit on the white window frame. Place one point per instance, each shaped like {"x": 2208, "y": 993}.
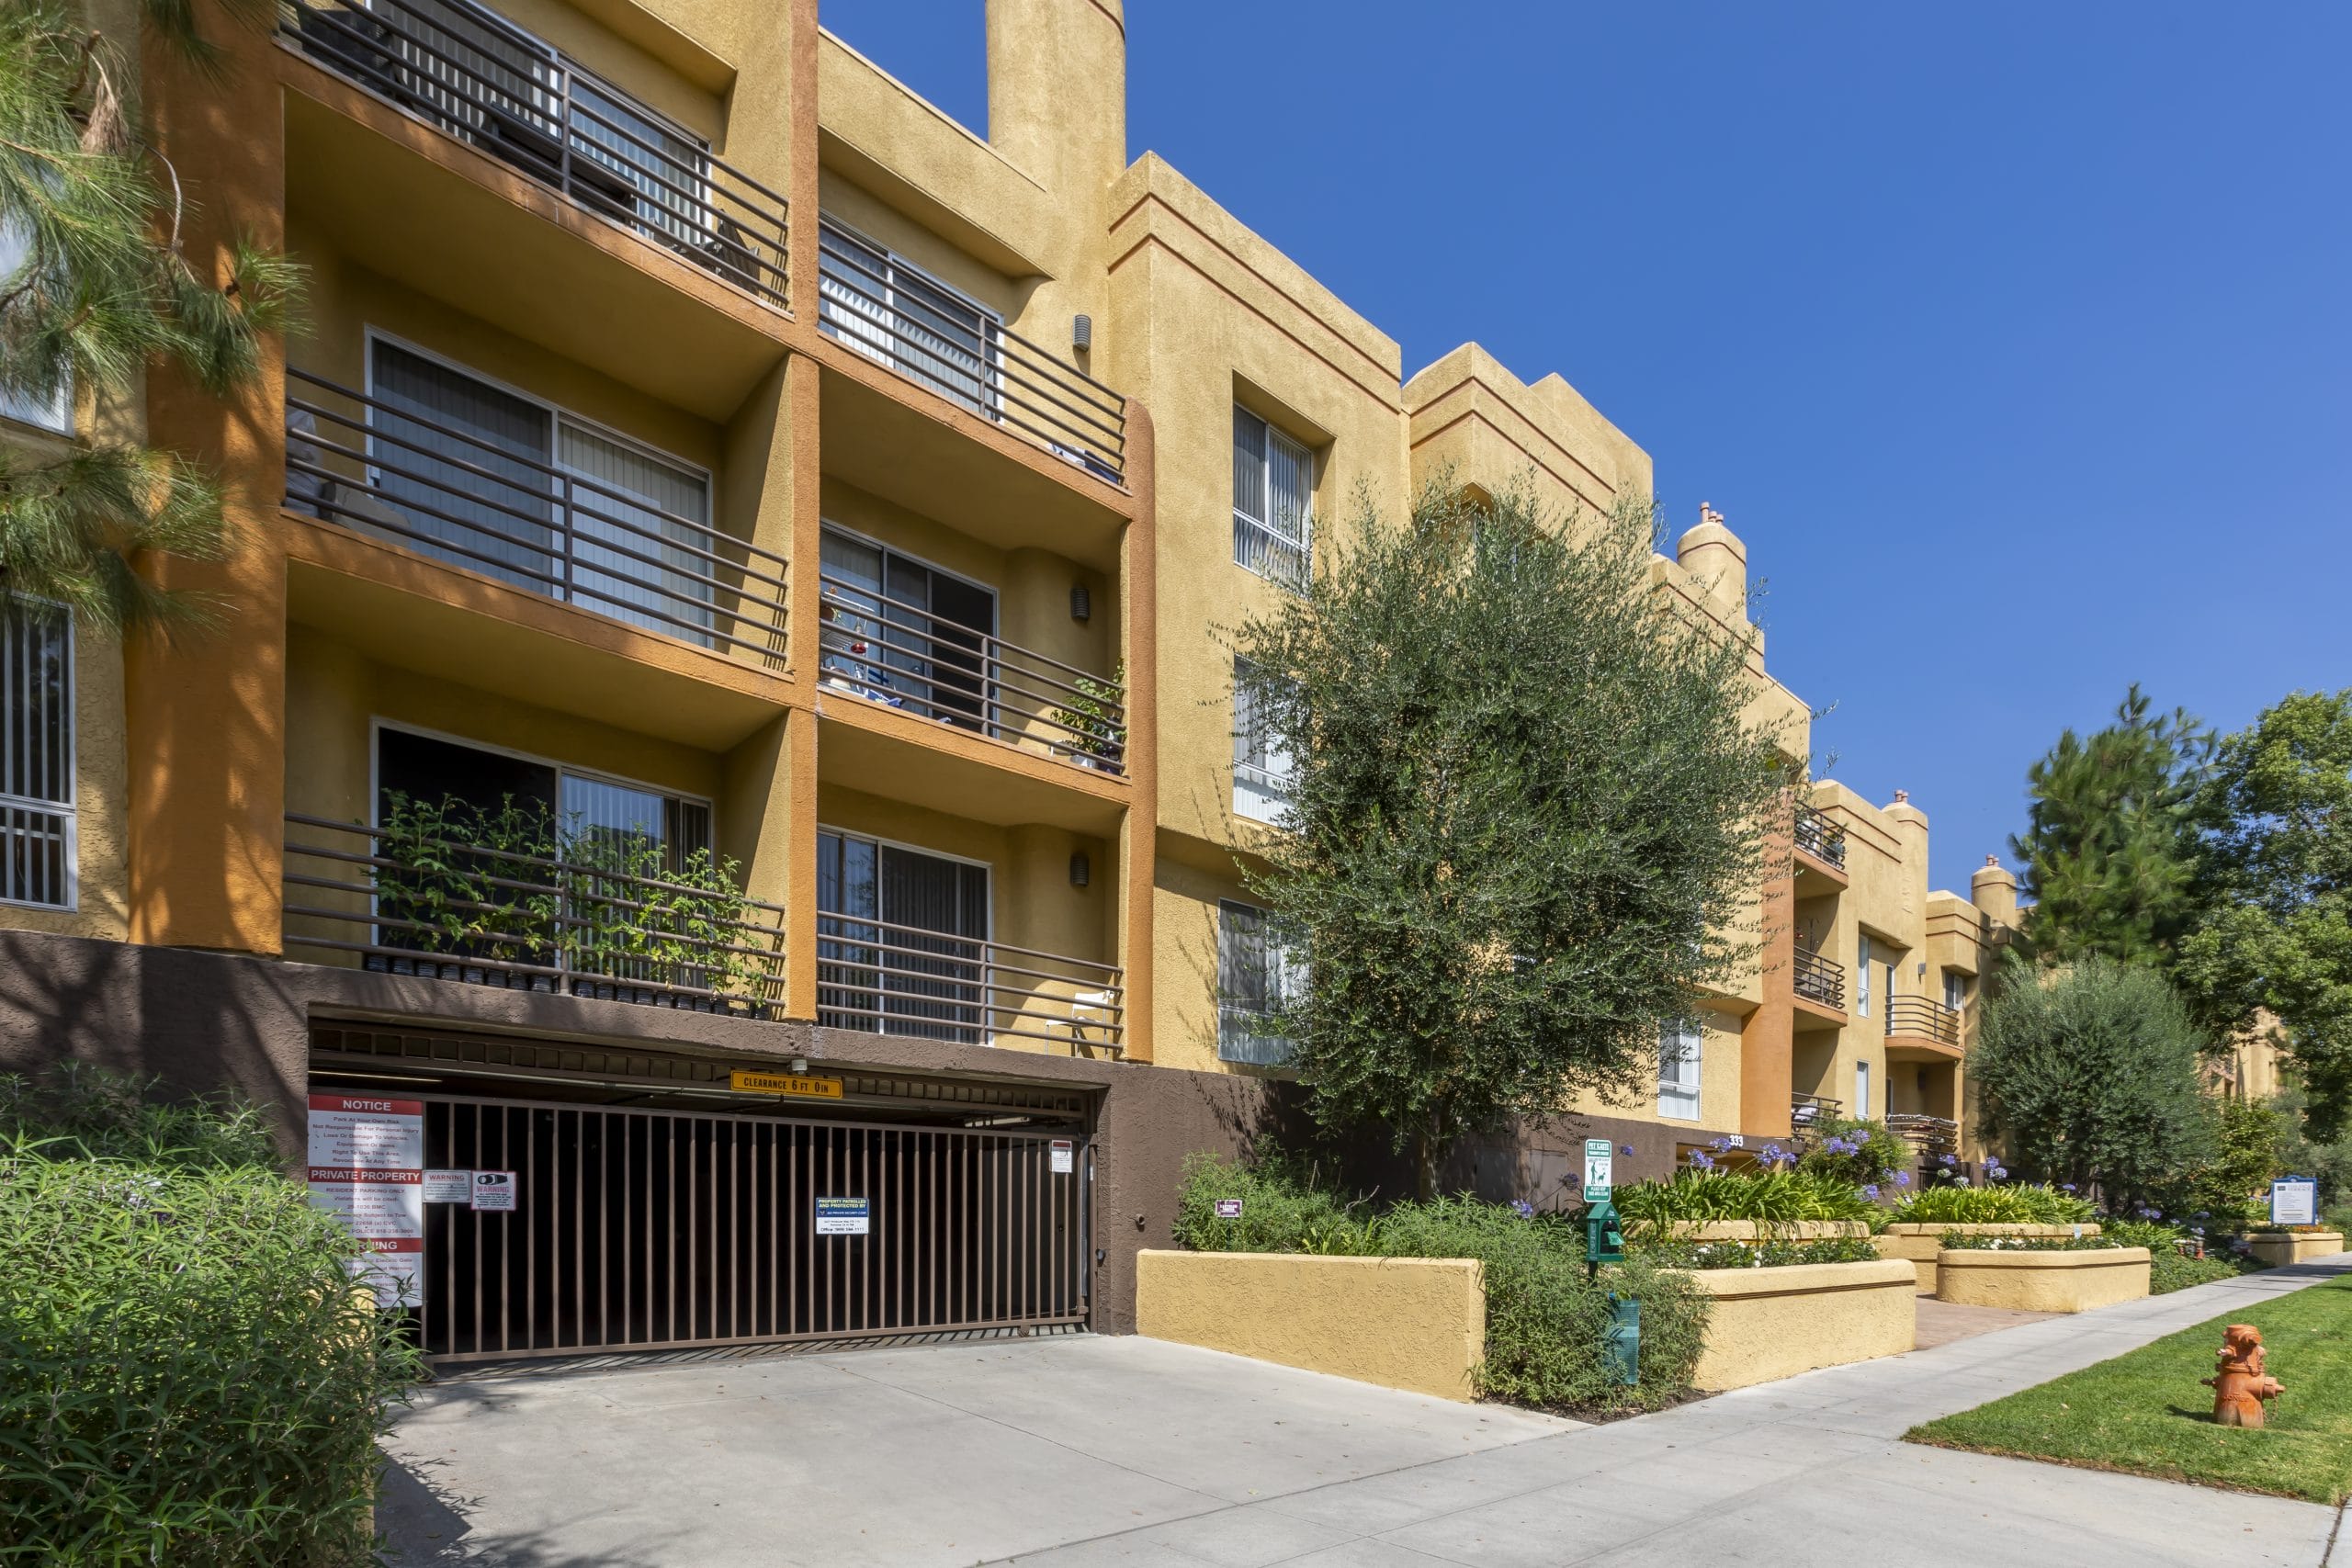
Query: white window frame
{"x": 890, "y": 352}
{"x": 1272, "y": 541}
{"x": 562, "y": 771}
{"x": 69, "y": 743}
{"x": 1862, "y": 975}
{"x": 57, "y": 418}
{"x": 1287, "y": 981}
{"x": 1261, "y": 790}
{"x": 1861, "y": 1091}
{"x": 1955, "y": 989}
{"x": 1682, "y": 1046}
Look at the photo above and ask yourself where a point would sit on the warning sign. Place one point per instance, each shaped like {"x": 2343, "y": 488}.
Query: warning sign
{"x": 493, "y": 1192}
{"x": 449, "y": 1185}
{"x": 1064, "y": 1155}
{"x": 842, "y": 1216}
{"x": 366, "y": 1167}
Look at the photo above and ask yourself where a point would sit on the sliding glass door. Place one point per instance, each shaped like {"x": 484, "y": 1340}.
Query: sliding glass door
{"x": 903, "y": 940}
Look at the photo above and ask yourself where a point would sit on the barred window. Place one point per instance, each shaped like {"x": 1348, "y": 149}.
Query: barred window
{"x": 1262, "y": 767}
{"x": 1273, "y": 502}
{"x": 1680, "y": 1046}
{"x": 37, "y": 829}
{"x": 1257, "y": 973}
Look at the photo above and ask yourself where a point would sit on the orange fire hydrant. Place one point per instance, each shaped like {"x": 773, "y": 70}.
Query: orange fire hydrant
{"x": 2240, "y": 1387}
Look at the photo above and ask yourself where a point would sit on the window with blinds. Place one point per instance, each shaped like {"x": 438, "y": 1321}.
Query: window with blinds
{"x": 894, "y": 313}
{"x": 1258, "y": 973}
{"x": 37, "y": 818}
{"x": 1263, "y": 766}
{"x": 1679, "y": 1045}
{"x": 56, "y": 411}
{"x": 1273, "y": 502}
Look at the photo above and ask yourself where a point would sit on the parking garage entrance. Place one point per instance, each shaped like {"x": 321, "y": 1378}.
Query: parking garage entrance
{"x": 649, "y": 1203}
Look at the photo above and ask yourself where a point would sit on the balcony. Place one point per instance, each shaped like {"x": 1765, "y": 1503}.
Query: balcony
{"x": 904, "y": 657}
{"x": 1807, "y": 1112}
{"x": 481, "y": 79}
{"x": 1931, "y": 1135}
{"x": 1925, "y": 1021}
{"x": 1818, "y": 836}
{"x": 1819, "y": 980}
{"x": 580, "y": 922}
{"x": 540, "y": 527}
{"x": 883, "y": 978}
{"x": 879, "y": 306}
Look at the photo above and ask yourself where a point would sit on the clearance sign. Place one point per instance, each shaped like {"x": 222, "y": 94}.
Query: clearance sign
{"x": 799, "y": 1086}
{"x": 366, "y": 1159}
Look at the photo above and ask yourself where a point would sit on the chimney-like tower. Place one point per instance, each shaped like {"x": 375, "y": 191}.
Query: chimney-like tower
{"x": 1994, "y": 890}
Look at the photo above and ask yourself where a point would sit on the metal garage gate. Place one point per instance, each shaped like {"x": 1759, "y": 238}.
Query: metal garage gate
{"x": 650, "y": 1229}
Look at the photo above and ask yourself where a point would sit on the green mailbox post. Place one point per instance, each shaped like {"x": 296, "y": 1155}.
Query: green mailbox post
{"x": 1604, "y": 1242}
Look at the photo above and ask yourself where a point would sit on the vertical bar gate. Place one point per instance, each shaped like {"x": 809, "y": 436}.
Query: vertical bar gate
{"x": 638, "y": 1229}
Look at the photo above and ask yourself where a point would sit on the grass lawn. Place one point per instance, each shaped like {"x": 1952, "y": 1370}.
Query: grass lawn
{"x": 2146, "y": 1412}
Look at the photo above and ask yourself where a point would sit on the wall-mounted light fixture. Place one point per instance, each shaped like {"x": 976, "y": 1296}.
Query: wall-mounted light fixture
{"x": 1081, "y": 333}
{"x": 1082, "y": 602}
{"x": 1081, "y": 870}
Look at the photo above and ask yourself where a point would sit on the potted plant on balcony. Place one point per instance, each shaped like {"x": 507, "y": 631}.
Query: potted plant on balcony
{"x": 670, "y": 935}
{"x": 1097, "y": 734}
{"x": 454, "y": 879}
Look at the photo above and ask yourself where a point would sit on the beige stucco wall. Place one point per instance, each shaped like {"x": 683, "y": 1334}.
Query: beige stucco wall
{"x": 1919, "y": 1244}
{"x": 2043, "y": 1282}
{"x": 2281, "y": 1249}
{"x": 1767, "y": 1323}
{"x": 1416, "y": 1324}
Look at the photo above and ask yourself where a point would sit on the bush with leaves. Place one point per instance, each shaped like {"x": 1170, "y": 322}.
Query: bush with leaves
{"x": 1768, "y": 1253}
{"x": 2093, "y": 1074}
{"x": 1861, "y": 1154}
{"x": 2171, "y": 1266}
{"x": 1777, "y": 1197}
{"x": 2018, "y": 1204}
{"x": 1546, "y": 1322}
{"x": 187, "y": 1373}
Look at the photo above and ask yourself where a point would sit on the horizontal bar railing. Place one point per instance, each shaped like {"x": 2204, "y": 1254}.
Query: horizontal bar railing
{"x": 884, "y": 978}
{"x": 1820, "y": 979}
{"x": 495, "y": 916}
{"x": 1818, "y": 836}
{"x": 1929, "y": 1134}
{"x": 920, "y": 331}
{"x": 354, "y": 459}
{"x": 1806, "y": 1111}
{"x": 1924, "y": 1017}
{"x": 900, "y": 655}
{"x": 474, "y": 74}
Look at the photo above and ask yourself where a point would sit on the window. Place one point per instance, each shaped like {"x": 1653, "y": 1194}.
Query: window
{"x": 1258, "y": 974}
{"x": 902, "y": 940}
{"x": 1955, "y": 989}
{"x": 1862, "y": 1090}
{"x": 501, "y": 483}
{"x": 1263, "y": 768}
{"x": 1678, "y": 1048}
{"x": 893, "y": 313}
{"x": 1863, "y": 980}
{"x": 903, "y": 633}
{"x": 1273, "y": 502}
{"x": 57, "y": 411}
{"x": 37, "y": 819}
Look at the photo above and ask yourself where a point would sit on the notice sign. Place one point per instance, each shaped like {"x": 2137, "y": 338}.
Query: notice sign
{"x": 2294, "y": 1200}
{"x": 1600, "y": 1163}
{"x": 841, "y": 1217}
{"x": 1065, "y": 1155}
{"x": 367, "y": 1168}
{"x": 493, "y": 1192}
{"x": 799, "y": 1086}
{"x": 449, "y": 1185}
{"x": 1229, "y": 1208}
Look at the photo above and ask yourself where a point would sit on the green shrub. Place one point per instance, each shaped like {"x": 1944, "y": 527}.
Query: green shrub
{"x": 1545, "y": 1321}
{"x": 2021, "y": 1203}
{"x": 186, "y": 1375}
{"x": 2170, "y": 1268}
{"x": 1772, "y": 1197}
{"x": 1861, "y": 1154}
{"x": 1771, "y": 1252}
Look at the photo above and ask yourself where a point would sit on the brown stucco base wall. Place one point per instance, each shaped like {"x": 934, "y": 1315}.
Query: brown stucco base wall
{"x": 1541, "y": 1161}
{"x": 209, "y": 1021}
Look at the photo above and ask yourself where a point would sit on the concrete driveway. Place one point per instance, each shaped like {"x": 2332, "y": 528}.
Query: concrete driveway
{"x": 1082, "y": 1451}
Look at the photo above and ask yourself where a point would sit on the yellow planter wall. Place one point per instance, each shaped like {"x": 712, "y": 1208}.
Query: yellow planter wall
{"x": 2294, "y": 1247}
{"x": 1920, "y": 1243}
{"x": 1774, "y": 1323}
{"x": 1416, "y": 1324}
{"x": 2043, "y": 1282}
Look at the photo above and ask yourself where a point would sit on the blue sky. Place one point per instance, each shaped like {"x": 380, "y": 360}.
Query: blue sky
{"x": 2015, "y": 340}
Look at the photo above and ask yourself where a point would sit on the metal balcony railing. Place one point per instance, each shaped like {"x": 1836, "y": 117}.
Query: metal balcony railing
{"x": 1818, "y": 836}
{"x": 1929, "y": 1134}
{"x": 1247, "y": 1034}
{"x": 1924, "y": 1018}
{"x": 883, "y": 978}
{"x": 875, "y": 303}
{"x": 390, "y": 471}
{"x": 1807, "y": 1112}
{"x": 1820, "y": 979}
{"x": 496, "y": 916}
{"x": 902, "y": 655}
{"x": 472, "y": 73}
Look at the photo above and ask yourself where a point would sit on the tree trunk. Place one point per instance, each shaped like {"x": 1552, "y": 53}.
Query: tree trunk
{"x": 1425, "y": 1152}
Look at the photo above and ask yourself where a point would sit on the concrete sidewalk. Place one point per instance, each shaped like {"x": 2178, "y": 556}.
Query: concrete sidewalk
{"x": 1081, "y": 1451}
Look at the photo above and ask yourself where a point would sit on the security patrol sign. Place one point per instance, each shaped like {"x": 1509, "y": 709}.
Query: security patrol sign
{"x": 842, "y": 1216}
{"x": 798, "y": 1086}
{"x": 1599, "y": 1158}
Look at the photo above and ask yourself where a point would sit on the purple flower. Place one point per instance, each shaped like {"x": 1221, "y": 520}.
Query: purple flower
{"x": 1870, "y": 1190}
{"x": 1903, "y": 1178}
{"x": 1948, "y": 1159}
{"x": 1626, "y": 1149}
{"x": 1701, "y": 1160}
{"x": 2066, "y": 1187}
{"x": 1526, "y": 1210}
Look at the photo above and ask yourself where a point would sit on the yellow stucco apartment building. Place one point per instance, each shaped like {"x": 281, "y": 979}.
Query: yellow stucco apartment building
{"x": 701, "y": 449}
